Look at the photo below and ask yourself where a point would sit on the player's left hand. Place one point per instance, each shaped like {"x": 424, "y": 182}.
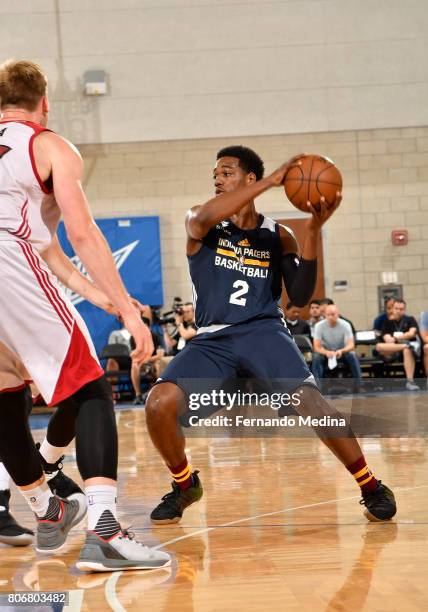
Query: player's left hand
{"x": 139, "y": 307}
{"x": 322, "y": 212}
{"x": 111, "y": 309}
{"x": 140, "y": 332}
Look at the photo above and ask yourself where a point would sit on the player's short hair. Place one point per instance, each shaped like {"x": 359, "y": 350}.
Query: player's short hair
{"x": 22, "y": 84}
{"x": 317, "y": 302}
{"x": 291, "y": 305}
{"x": 400, "y": 301}
{"x": 327, "y": 302}
{"x": 249, "y": 161}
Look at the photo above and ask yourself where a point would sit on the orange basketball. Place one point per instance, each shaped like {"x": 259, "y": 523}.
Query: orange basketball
{"x": 317, "y": 176}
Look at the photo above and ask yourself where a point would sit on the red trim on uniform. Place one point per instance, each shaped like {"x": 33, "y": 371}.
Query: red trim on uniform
{"x": 38, "y": 129}
{"x": 24, "y": 230}
{"x": 31, "y": 124}
{"x": 30, "y": 257}
{"x": 48, "y": 288}
{"x": 54, "y": 291}
{"x": 13, "y": 389}
{"x": 33, "y": 162}
{"x": 78, "y": 369}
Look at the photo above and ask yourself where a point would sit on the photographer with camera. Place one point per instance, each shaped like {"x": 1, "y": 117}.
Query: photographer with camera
{"x": 177, "y": 329}
{"x": 185, "y": 322}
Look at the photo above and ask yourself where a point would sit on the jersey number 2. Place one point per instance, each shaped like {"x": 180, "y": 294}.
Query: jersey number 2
{"x": 236, "y": 297}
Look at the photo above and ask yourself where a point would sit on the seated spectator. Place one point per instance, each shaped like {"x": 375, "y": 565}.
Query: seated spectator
{"x": 314, "y": 314}
{"x": 399, "y": 338}
{"x": 295, "y": 324}
{"x": 150, "y": 367}
{"x": 329, "y": 302}
{"x": 333, "y": 341}
{"x": 119, "y": 336}
{"x": 423, "y": 329}
{"x": 122, "y": 336}
{"x": 384, "y": 316}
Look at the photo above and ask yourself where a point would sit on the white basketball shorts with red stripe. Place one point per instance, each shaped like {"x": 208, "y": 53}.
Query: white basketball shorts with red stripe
{"x": 42, "y": 336}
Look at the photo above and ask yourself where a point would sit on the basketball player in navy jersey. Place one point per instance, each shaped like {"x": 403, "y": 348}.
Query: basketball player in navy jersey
{"x": 238, "y": 259}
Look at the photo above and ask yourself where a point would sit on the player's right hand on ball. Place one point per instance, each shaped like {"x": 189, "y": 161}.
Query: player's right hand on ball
{"x": 142, "y": 337}
{"x": 277, "y": 177}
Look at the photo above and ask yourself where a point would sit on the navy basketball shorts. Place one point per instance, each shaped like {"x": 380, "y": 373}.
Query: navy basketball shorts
{"x": 261, "y": 350}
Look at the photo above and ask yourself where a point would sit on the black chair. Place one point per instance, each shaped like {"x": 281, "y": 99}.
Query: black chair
{"x": 372, "y": 365}
{"x": 304, "y": 345}
{"x": 120, "y": 380}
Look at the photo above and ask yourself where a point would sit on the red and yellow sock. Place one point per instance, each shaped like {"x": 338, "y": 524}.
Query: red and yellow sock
{"x": 182, "y": 474}
{"x": 365, "y": 479}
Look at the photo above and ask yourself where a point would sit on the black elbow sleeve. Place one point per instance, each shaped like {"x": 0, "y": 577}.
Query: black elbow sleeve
{"x": 300, "y": 277}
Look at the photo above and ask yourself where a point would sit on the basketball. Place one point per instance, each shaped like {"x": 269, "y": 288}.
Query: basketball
{"x": 315, "y": 177}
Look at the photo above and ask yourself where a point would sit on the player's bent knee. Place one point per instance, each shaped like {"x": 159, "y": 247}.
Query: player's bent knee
{"x": 164, "y": 401}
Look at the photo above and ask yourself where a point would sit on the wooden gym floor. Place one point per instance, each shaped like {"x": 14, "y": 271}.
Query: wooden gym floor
{"x": 279, "y": 528}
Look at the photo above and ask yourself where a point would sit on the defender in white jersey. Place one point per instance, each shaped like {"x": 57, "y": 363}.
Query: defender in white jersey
{"x": 40, "y": 180}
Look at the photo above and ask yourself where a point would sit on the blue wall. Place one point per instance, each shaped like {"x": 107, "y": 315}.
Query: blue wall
{"x": 135, "y": 243}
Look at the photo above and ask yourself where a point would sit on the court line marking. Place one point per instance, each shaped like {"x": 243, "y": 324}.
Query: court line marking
{"x": 110, "y": 592}
{"x": 283, "y": 511}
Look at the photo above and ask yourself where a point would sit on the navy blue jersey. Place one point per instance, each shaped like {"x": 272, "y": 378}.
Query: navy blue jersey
{"x": 236, "y": 274}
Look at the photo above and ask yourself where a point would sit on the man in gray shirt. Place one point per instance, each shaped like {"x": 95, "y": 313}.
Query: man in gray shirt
{"x": 334, "y": 340}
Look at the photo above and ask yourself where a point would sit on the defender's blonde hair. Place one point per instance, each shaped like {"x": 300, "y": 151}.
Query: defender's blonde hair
{"x": 22, "y": 84}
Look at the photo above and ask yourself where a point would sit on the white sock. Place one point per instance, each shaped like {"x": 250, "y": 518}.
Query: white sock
{"x": 51, "y": 454}
{"x": 100, "y": 498}
{"x": 4, "y": 478}
{"x": 38, "y": 498}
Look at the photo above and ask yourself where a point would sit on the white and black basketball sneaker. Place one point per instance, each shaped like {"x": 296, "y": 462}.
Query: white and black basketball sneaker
{"x": 104, "y": 552}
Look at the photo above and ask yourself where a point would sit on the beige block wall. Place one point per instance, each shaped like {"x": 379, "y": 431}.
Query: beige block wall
{"x": 385, "y": 175}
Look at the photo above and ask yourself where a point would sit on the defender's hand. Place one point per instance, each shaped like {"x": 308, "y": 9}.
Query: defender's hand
{"x": 108, "y": 307}
{"x": 141, "y": 308}
{"x": 142, "y": 337}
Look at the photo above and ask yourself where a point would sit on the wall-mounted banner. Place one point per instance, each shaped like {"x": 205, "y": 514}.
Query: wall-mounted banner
{"x": 135, "y": 243}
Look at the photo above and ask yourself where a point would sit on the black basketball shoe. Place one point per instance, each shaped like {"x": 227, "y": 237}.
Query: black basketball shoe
{"x": 380, "y": 504}
{"x": 10, "y": 531}
{"x": 61, "y": 484}
{"x": 171, "y": 508}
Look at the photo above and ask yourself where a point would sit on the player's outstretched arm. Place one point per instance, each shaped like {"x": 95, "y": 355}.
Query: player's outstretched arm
{"x": 72, "y": 278}
{"x": 86, "y": 238}
{"x": 200, "y": 219}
